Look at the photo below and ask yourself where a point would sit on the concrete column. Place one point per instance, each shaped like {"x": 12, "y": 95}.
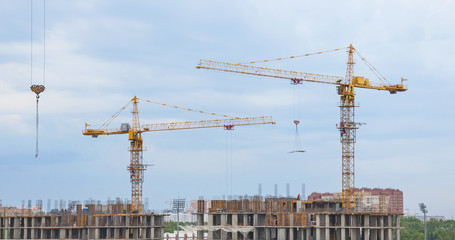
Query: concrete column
{"x": 235, "y": 222}
{"x": 307, "y": 233}
{"x": 301, "y": 233}
{"x": 135, "y": 233}
{"x": 161, "y": 230}
{"x": 200, "y": 222}
{"x": 210, "y": 223}
{"x": 26, "y": 221}
{"x": 127, "y": 233}
{"x": 62, "y": 233}
{"x": 267, "y": 233}
{"x": 127, "y": 230}
{"x": 381, "y": 224}
{"x": 90, "y": 231}
{"x": 317, "y": 227}
{"x": 6, "y": 228}
{"x": 33, "y": 232}
{"x": 374, "y": 231}
{"x": 152, "y": 228}
{"x": 223, "y": 223}
{"x": 343, "y": 225}
{"x": 327, "y": 227}
{"x": 389, "y": 227}
{"x": 84, "y": 234}
{"x": 398, "y": 227}
{"x": 367, "y": 226}
{"x": 291, "y": 233}
{"x": 117, "y": 225}
{"x": 281, "y": 234}
{"x": 255, "y": 223}
{"x": 355, "y": 231}
{"x": 152, "y": 232}
{"x": 143, "y": 230}
{"x": 97, "y": 229}
{"x": 43, "y": 224}
{"x": 16, "y": 230}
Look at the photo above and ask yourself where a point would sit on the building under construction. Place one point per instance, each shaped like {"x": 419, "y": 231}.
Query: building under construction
{"x": 289, "y": 219}
{"x": 95, "y": 222}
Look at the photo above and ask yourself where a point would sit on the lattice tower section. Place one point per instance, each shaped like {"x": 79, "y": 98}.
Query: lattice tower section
{"x": 347, "y": 129}
{"x": 136, "y": 167}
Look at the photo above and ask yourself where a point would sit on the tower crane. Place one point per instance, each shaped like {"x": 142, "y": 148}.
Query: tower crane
{"x": 345, "y": 88}
{"x": 137, "y": 166}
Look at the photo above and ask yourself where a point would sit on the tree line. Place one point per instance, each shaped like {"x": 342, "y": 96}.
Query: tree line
{"x": 436, "y": 229}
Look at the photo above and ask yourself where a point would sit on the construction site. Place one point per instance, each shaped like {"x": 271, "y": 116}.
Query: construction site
{"x": 376, "y": 216}
{"x": 353, "y": 213}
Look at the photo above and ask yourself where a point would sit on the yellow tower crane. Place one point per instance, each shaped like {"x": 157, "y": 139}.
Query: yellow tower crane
{"x": 137, "y": 166}
{"x": 345, "y": 88}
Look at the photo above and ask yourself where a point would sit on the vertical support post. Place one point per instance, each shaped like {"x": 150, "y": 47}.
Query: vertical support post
{"x": 97, "y": 228}
{"x": 16, "y": 228}
{"x": 255, "y": 229}
{"x": 33, "y": 228}
{"x": 389, "y": 227}
{"x": 127, "y": 229}
{"x": 200, "y": 218}
{"x": 26, "y": 222}
{"x": 327, "y": 226}
{"x": 343, "y": 226}
{"x": 223, "y": 223}
{"x": 235, "y": 222}
{"x": 210, "y": 223}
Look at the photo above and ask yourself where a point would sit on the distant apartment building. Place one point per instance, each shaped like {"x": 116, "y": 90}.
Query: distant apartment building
{"x": 374, "y": 200}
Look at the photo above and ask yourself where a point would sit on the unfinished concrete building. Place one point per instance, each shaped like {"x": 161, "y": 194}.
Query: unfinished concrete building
{"x": 289, "y": 219}
{"x": 99, "y": 222}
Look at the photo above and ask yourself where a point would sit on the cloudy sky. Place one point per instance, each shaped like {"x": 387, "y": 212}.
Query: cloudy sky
{"x": 99, "y": 54}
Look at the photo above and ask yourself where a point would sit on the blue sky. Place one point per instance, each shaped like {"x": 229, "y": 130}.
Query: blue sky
{"x": 99, "y": 54}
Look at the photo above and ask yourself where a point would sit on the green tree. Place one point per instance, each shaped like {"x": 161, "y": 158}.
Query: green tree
{"x": 436, "y": 229}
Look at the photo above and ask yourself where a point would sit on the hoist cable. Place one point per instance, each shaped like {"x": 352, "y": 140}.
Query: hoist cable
{"x": 44, "y": 45}
{"x": 37, "y": 99}
{"x": 31, "y": 42}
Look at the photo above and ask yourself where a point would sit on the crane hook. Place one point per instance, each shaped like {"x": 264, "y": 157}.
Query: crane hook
{"x": 37, "y": 89}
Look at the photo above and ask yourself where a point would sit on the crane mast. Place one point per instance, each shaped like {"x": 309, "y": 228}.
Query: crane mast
{"x": 137, "y": 167}
{"x": 347, "y": 129}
